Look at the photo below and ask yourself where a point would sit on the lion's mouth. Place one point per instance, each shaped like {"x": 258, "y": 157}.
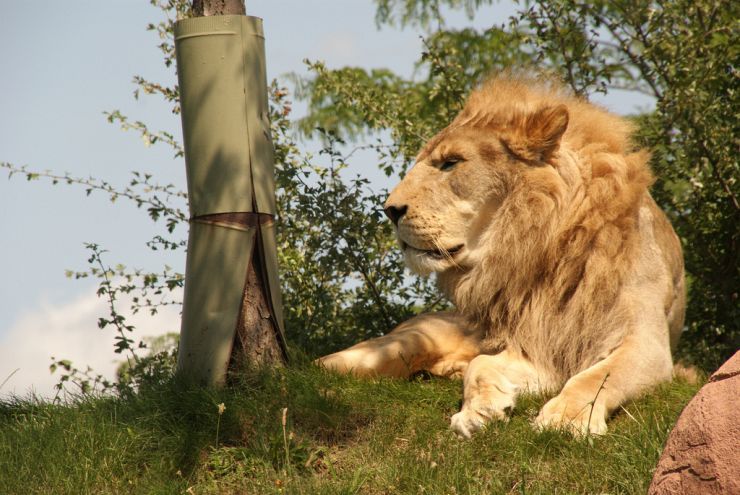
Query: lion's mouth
{"x": 436, "y": 254}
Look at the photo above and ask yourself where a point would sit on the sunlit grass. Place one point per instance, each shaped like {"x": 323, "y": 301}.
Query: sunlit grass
{"x": 302, "y": 430}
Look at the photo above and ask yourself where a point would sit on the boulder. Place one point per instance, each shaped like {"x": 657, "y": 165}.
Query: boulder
{"x": 702, "y": 454}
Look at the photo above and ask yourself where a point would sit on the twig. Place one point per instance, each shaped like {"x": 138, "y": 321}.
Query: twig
{"x": 9, "y": 377}
{"x": 285, "y": 439}
{"x": 593, "y": 402}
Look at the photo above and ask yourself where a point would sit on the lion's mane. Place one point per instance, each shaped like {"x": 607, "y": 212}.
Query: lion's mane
{"x": 559, "y": 252}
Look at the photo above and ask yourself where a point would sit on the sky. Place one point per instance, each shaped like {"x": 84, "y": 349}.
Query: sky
{"x": 62, "y": 65}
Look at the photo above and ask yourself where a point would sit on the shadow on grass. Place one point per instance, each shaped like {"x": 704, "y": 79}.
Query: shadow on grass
{"x": 273, "y": 416}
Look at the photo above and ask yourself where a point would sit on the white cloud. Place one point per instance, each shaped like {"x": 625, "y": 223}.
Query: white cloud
{"x": 69, "y": 331}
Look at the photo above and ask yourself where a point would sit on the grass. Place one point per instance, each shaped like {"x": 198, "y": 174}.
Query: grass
{"x": 339, "y": 435}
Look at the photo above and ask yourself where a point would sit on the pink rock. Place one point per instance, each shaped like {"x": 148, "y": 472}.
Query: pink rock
{"x": 702, "y": 454}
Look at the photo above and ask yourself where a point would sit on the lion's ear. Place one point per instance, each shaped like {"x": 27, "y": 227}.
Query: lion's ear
{"x": 540, "y": 132}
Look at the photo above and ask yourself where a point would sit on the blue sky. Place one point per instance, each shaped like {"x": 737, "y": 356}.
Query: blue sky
{"x": 62, "y": 65}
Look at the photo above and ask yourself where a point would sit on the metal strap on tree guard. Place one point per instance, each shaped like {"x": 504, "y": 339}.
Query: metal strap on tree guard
{"x": 230, "y": 173}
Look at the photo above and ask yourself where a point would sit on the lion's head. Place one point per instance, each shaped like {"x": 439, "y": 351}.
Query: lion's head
{"x": 502, "y": 148}
{"x": 463, "y": 176}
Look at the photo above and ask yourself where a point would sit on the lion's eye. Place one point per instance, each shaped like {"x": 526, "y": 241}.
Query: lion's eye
{"x": 449, "y": 164}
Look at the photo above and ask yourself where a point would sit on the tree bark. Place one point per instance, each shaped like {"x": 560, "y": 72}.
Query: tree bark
{"x": 257, "y": 339}
{"x": 204, "y": 8}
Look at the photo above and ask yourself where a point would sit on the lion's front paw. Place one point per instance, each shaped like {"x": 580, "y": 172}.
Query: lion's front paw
{"x": 578, "y": 417}
{"x": 467, "y": 422}
{"x": 475, "y": 416}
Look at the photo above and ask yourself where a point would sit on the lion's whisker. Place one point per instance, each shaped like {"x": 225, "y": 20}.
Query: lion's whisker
{"x": 445, "y": 253}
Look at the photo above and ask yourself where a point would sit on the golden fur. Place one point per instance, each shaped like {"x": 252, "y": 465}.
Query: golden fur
{"x": 532, "y": 208}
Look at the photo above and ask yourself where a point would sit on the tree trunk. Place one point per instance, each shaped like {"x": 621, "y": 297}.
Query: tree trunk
{"x": 257, "y": 338}
{"x": 256, "y": 341}
{"x": 204, "y": 8}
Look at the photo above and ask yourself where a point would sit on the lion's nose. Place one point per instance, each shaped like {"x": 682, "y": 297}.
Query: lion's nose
{"x": 395, "y": 212}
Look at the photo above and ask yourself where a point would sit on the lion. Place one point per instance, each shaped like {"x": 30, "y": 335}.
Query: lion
{"x": 532, "y": 208}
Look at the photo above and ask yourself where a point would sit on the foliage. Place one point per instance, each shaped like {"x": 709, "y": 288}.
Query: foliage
{"x": 421, "y": 12}
{"x": 353, "y": 102}
{"x": 342, "y": 278}
{"x": 301, "y": 430}
{"x": 151, "y": 291}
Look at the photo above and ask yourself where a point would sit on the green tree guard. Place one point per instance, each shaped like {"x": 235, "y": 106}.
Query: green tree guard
{"x": 232, "y": 309}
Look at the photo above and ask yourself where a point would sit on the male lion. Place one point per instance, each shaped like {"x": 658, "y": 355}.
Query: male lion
{"x": 532, "y": 207}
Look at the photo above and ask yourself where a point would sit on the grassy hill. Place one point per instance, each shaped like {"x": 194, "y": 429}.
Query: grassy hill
{"x": 302, "y": 430}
